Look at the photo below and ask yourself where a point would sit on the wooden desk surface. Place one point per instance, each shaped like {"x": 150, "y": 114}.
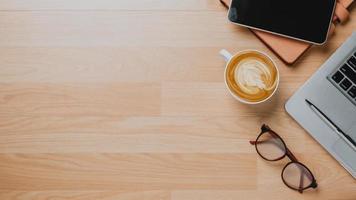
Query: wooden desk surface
{"x": 125, "y": 100}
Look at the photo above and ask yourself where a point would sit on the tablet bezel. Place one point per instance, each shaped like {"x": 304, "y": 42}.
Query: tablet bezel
{"x": 284, "y": 35}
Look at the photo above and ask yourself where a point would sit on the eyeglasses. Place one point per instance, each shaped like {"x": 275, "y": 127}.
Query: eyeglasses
{"x": 270, "y": 146}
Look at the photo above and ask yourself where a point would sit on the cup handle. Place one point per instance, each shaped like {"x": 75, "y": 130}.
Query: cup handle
{"x": 227, "y": 55}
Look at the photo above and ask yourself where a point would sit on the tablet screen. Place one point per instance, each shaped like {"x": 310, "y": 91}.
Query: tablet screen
{"x": 307, "y": 20}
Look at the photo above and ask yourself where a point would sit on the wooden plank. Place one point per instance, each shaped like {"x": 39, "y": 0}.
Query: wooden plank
{"x": 110, "y": 64}
{"x": 41, "y": 99}
{"x": 126, "y": 171}
{"x": 85, "y": 195}
{"x": 31, "y": 134}
{"x": 194, "y": 5}
{"x": 214, "y": 194}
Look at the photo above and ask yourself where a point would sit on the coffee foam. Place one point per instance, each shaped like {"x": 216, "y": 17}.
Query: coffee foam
{"x": 251, "y": 76}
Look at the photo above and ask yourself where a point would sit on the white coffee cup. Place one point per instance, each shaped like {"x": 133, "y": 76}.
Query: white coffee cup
{"x": 229, "y": 57}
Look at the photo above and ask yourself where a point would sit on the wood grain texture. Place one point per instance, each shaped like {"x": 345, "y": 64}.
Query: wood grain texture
{"x": 125, "y": 100}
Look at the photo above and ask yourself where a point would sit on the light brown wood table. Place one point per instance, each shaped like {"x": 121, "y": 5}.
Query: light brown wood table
{"x": 125, "y": 100}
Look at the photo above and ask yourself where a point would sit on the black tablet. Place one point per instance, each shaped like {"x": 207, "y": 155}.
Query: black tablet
{"x": 306, "y": 20}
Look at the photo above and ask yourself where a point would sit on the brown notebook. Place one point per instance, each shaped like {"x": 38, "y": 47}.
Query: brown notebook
{"x": 289, "y": 50}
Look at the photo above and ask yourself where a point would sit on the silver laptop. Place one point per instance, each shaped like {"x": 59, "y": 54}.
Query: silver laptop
{"x": 326, "y": 105}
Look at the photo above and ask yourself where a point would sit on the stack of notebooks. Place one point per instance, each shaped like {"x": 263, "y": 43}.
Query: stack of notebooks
{"x": 289, "y": 50}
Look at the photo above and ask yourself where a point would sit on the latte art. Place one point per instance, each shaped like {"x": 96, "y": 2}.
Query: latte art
{"x": 252, "y": 76}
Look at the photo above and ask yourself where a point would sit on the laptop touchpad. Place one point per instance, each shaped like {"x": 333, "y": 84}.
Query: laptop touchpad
{"x": 347, "y": 153}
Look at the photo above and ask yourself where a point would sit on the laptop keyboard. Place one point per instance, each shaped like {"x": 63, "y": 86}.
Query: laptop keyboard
{"x": 344, "y": 78}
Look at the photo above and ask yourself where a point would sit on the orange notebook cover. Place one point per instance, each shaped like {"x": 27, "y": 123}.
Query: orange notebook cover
{"x": 289, "y": 50}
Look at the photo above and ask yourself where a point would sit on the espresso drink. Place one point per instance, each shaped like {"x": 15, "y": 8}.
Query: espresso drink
{"x": 251, "y": 76}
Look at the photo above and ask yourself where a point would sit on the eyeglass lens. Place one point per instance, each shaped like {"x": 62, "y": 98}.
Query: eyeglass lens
{"x": 297, "y": 176}
{"x": 270, "y": 146}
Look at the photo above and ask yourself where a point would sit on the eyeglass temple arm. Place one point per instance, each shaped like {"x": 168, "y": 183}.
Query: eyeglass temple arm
{"x": 301, "y": 181}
